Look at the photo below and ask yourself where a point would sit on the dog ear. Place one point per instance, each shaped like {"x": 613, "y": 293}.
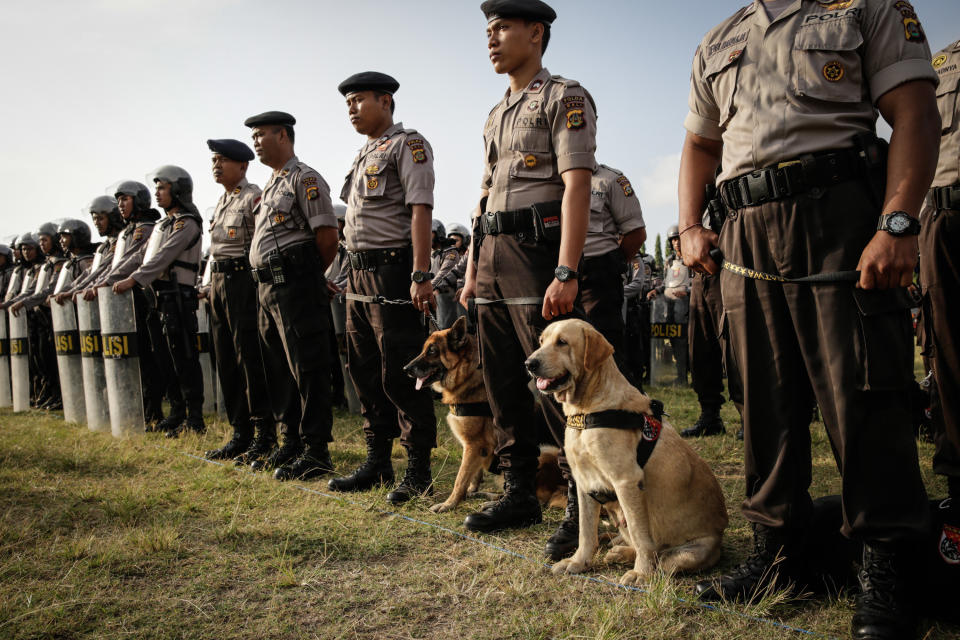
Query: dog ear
{"x": 458, "y": 334}
{"x": 596, "y": 349}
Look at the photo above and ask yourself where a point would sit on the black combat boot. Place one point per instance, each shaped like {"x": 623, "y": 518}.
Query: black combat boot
{"x": 376, "y": 469}
{"x": 882, "y": 609}
{"x": 416, "y": 480}
{"x": 766, "y": 568}
{"x": 264, "y": 440}
{"x": 517, "y": 507}
{"x": 565, "y": 539}
{"x": 238, "y": 444}
{"x": 314, "y": 462}
{"x": 708, "y": 424}
{"x": 290, "y": 450}
{"x": 170, "y": 424}
{"x": 194, "y": 422}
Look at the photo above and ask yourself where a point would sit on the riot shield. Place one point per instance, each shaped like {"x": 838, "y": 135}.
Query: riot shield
{"x": 338, "y": 309}
{"x": 94, "y": 382}
{"x": 665, "y": 329}
{"x": 6, "y": 393}
{"x": 121, "y": 362}
{"x": 206, "y": 363}
{"x": 20, "y": 362}
{"x": 66, "y": 338}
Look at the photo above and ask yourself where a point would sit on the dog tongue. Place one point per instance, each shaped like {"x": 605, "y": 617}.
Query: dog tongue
{"x": 543, "y": 383}
{"x": 420, "y": 382}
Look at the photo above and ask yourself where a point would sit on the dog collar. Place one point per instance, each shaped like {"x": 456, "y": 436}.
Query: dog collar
{"x": 648, "y": 426}
{"x": 472, "y": 410}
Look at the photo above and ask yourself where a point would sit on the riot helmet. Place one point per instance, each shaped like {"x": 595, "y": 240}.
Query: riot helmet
{"x": 457, "y": 229}
{"x": 106, "y": 205}
{"x": 5, "y": 250}
{"x": 181, "y": 185}
{"x": 139, "y": 191}
{"x": 439, "y": 229}
{"x": 27, "y": 238}
{"x": 79, "y": 230}
{"x": 673, "y": 232}
{"x": 48, "y": 229}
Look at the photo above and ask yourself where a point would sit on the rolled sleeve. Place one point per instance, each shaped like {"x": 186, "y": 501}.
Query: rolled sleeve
{"x": 416, "y": 171}
{"x": 896, "y": 74}
{"x": 891, "y": 57}
{"x": 703, "y": 119}
{"x": 698, "y": 125}
{"x": 575, "y": 131}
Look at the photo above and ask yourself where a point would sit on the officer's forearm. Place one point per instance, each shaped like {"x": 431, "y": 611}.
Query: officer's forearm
{"x": 327, "y": 243}
{"x": 631, "y": 242}
{"x": 911, "y": 109}
{"x": 420, "y": 236}
{"x": 575, "y": 215}
{"x": 698, "y": 164}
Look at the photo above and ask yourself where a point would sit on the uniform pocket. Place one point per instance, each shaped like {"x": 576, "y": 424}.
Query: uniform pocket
{"x": 827, "y": 64}
{"x": 281, "y": 210}
{"x": 947, "y": 100}
{"x": 373, "y": 181}
{"x": 884, "y": 342}
{"x": 595, "y": 224}
{"x": 721, "y": 73}
{"x": 234, "y": 226}
{"x": 531, "y": 146}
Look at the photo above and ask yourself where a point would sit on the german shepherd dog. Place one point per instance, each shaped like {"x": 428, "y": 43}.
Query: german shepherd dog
{"x": 450, "y": 363}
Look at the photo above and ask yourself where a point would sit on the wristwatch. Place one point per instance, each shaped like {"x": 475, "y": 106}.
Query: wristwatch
{"x": 899, "y": 224}
{"x": 421, "y": 276}
{"x": 564, "y": 273}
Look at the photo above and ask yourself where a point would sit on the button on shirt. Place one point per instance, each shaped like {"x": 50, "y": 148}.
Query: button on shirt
{"x": 614, "y": 211}
{"x": 389, "y": 175}
{"x": 534, "y": 135}
{"x": 805, "y": 82}
{"x": 294, "y": 204}
{"x": 231, "y": 230}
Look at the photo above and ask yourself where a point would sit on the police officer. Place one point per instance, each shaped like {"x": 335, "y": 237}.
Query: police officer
{"x": 156, "y": 367}
{"x": 107, "y": 219}
{"x": 170, "y": 265}
{"x": 28, "y": 249}
{"x": 786, "y": 95}
{"x": 294, "y": 240}
{"x": 75, "y": 242}
{"x": 675, "y": 307}
{"x": 7, "y": 266}
{"x": 336, "y": 275}
{"x": 528, "y": 238}
{"x": 640, "y": 283}
{"x": 940, "y": 274}
{"x": 233, "y": 306}
{"x": 389, "y": 196}
{"x": 443, "y": 258}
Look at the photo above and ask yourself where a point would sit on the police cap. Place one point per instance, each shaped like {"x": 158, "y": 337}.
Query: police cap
{"x": 369, "y": 81}
{"x": 528, "y": 9}
{"x": 270, "y": 117}
{"x": 231, "y": 149}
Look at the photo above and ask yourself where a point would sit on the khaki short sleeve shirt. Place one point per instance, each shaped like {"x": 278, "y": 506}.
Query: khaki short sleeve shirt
{"x": 805, "y": 82}
{"x": 614, "y": 211}
{"x": 231, "y": 229}
{"x": 533, "y": 136}
{"x": 389, "y": 175}
{"x": 946, "y": 64}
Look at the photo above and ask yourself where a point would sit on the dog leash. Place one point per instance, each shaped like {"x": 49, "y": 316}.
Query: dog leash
{"x": 833, "y": 277}
{"x": 388, "y": 301}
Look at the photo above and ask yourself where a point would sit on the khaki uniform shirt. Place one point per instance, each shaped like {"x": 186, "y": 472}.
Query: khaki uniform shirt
{"x": 102, "y": 259}
{"x": 947, "y": 65}
{"x": 534, "y": 135}
{"x": 806, "y": 82}
{"x": 614, "y": 211}
{"x": 294, "y": 204}
{"x": 388, "y": 176}
{"x": 231, "y": 229}
{"x": 128, "y": 255}
{"x": 178, "y": 241}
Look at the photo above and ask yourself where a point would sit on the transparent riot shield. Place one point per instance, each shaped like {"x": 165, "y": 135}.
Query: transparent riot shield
{"x": 665, "y": 333}
{"x": 338, "y": 309}
{"x": 206, "y": 358}
{"x": 121, "y": 360}
{"x": 66, "y": 339}
{"x": 94, "y": 383}
{"x": 6, "y": 393}
{"x": 20, "y": 362}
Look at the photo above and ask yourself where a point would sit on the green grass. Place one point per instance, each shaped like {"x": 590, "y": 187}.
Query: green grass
{"x": 102, "y": 538}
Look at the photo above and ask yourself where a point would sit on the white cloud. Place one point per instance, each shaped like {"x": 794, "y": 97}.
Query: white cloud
{"x": 659, "y": 184}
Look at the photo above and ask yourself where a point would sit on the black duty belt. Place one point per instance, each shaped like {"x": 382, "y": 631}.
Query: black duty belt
{"x": 648, "y": 426}
{"x": 807, "y": 174}
{"x": 947, "y": 197}
{"x": 370, "y": 260}
{"x": 472, "y": 410}
{"x": 494, "y": 223}
{"x": 229, "y": 265}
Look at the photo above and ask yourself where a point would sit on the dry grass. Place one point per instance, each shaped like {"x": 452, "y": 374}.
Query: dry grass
{"x": 104, "y": 538}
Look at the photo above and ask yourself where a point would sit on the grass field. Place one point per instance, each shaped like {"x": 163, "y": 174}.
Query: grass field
{"x": 101, "y": 538}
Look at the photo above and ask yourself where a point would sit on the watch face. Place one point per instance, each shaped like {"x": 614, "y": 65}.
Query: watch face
{"x": 898, "y": 223}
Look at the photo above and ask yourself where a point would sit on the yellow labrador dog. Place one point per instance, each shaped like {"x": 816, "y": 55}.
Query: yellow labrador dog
{"x": 663, "y": 497}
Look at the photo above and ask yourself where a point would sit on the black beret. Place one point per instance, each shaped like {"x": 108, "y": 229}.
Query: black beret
{"x": 270, "y": 117}
{"x": 530, "y": 9}
{"x": 369, "y": 81}
{"x": 232, "y": 149}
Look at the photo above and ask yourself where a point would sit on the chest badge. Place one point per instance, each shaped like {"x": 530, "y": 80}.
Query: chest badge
{"x": 830, "y": 5}
{"x": 232, "y": 232}
{"x": 532, "y": 105}
{"x": 530, "y": 160}
{"x": 372, "y": 169}
{"x": 734, "y": 55}
{"x": 279, "y": 218}
{"x": 939, "y": 60}
{"x": 833, "y": 71}
{"x": 373, "y": 183}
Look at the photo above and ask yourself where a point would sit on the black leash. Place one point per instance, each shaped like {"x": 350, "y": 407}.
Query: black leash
{"x": 834, "y": 277}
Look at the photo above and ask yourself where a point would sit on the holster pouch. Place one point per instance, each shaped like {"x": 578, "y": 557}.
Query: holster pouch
{"x": 546, "y": 222}
{"x": 716, "y": 212}
{"x": 873, "y": 159}
{"x": 476, "y": 238}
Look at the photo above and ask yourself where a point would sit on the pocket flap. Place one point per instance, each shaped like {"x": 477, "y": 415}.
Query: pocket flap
{"x": 948, "y": 84}
{"x": 840, "y": 35}
{"x": 723, "y": 59}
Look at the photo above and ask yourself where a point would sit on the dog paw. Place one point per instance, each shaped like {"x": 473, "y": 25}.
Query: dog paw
{"x": 620, "y": 554}
{"x": 631, "y": 579}
{"x": 569, "y": 565}
{"x": 442, "y": 507}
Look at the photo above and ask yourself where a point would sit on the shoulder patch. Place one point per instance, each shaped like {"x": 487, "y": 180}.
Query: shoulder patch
{"x": 625, "y": 185}
{"x": 313, "y": 193}
{"x": 417, "y": 150}
{"x": 912, "y": 30}
{"x": 138, "y": 234}
{"x": 309, "y": 180}
{"x": 575, "y": 119}
{"x": 178, "y": 225}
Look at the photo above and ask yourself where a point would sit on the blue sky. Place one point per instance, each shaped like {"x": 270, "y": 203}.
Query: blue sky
{"x": 103, "y": 90}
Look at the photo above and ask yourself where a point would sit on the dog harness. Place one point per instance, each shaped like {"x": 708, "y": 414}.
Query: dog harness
{"x": 472, "y": 410}
{"x": 648, "y": 426}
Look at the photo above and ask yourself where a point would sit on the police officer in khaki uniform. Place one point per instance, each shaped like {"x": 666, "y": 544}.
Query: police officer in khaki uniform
{"x": 528, "y": 239}
{"x": 389, "y": 196}
{"x": 940, "y": 273}
{"x": 786, "y": 96}
{"x": 674, "y": 306}
{"x": 233, "y": 306}
{"x": 294, "y": 240}
{"x": 170, "y": 265}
